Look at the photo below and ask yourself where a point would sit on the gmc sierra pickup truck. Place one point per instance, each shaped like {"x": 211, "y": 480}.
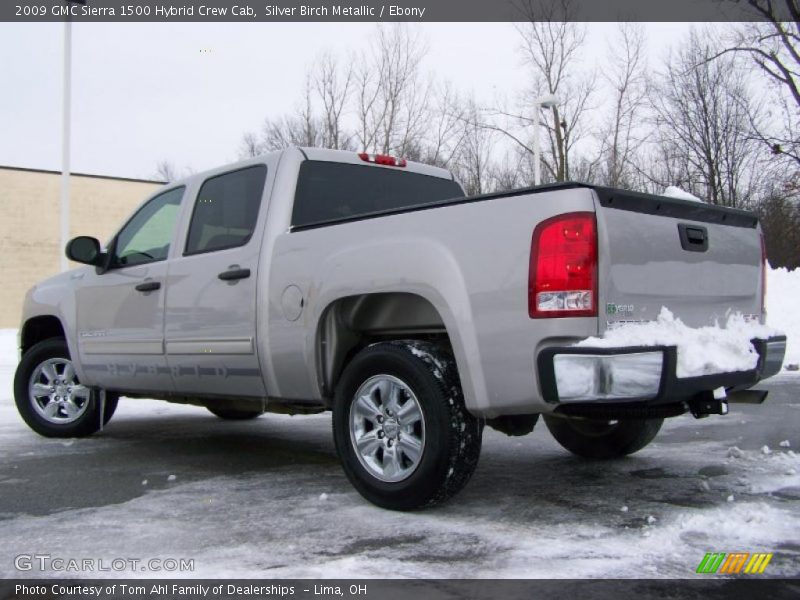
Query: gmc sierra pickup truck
{"x": 309, "y": 280}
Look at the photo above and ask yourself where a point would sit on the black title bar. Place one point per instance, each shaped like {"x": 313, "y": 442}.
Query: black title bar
{"x": 708, "y": 588}
{"x": 397, "y": 10}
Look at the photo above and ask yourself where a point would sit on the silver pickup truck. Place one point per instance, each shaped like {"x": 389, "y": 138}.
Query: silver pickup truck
{"x": 309, "y": 280}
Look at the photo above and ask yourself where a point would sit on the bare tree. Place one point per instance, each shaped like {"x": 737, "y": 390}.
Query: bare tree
{"x": 166, "y": 171}
{"x": 513, "y": 171}
{"x": 445, "y": 128}
{"x": 332, "y": 84}
{"x": 250, "y": 146}
{"x": 552, "y": 45}
{"x": 318, "y": 121}
{"x": 472, "y": 160}
{"x": 392, "y": 98}
{"x": 773, "y": 45}
{"x": 779, "y": 214}
{"x": 626, "y": 77}
{"x": 702, "y": 118}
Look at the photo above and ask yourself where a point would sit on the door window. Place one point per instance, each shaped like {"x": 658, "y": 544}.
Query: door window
{"x": 146, "y": 237}
{"x": 226, "y": 210}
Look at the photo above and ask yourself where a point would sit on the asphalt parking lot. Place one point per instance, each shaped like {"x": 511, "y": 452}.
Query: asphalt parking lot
{"x": 267, "y": 498}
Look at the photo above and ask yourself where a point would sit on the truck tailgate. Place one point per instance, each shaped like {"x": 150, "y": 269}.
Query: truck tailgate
{"x": 702, "y": 262}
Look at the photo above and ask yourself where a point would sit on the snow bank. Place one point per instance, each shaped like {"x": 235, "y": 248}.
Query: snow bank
{"x": 701, "y": 351}
{"x": 783, "y": 293}
{"x": 674, "y": 191}
{"x": 8, "y": 347}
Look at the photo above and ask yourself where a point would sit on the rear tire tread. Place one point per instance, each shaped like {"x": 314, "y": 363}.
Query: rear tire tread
{"x": 627, "y": 437}
{"x": 230, "y": 414}
{"x": 430, "y": 365}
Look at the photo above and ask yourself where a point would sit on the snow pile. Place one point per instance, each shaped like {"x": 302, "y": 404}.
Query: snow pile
{"x": 701, "y": 351}
{"x": 674, "y": 191}
{"x": 9, "y": 354}
{"x": 783, "y": 292}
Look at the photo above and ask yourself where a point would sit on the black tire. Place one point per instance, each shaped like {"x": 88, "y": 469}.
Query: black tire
{"x": 452, "y": 436}
{"x": 86, "y": 424}
{"x": 230, "y": 414}
{"x": 603, "y": 439}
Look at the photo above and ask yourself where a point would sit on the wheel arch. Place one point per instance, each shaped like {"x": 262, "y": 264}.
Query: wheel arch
{"x": 40, "y": 328}
{"x": 351, "y": 323}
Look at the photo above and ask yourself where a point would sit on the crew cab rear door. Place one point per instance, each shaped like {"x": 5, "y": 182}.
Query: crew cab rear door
{"x": 210, "y": 316}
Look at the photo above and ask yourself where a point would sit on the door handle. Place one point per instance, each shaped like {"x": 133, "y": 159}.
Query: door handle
{"x": 148, "y": 286}
{"x": 234, "y": 274}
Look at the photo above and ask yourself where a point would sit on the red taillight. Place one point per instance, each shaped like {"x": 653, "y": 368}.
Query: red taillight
{"x": 383, "y": 159}
{"x": 763, "y": 275}
{"x": 562, "y": 279}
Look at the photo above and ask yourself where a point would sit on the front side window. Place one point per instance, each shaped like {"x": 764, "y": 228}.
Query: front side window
{"x": 146, "y": 237}
{"x": 226, "y": 210}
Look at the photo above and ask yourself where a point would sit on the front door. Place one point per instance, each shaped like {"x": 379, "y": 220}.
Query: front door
{"x": 211, "y": 292}
{"x": 120, "y": 312}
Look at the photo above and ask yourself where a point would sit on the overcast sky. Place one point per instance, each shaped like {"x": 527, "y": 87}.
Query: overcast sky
{"x": 145, "y": 92}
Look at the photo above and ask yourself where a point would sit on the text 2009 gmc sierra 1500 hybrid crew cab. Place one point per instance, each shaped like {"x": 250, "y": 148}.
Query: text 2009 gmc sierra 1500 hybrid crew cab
{"x": 310, "y": 279}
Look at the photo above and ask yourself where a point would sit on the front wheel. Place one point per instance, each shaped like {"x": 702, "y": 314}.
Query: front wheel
{"x": 603, "y": 438}
{"x": 402, "y": 432}
{"x": 49, "y": 397}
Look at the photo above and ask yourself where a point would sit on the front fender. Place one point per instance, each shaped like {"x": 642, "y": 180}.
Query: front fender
{"x": 55, "y": 297}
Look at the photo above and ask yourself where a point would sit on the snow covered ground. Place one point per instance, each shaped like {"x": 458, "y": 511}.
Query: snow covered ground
{"x": 783, "y": 310}
{"x": 267, "y": 498}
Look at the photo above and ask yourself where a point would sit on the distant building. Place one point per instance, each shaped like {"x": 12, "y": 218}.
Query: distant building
{"x": 30, "y": 248}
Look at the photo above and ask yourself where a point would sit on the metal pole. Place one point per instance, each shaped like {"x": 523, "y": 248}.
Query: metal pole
{"x": 537, "y": 152}
{"x": 65, "y": 142}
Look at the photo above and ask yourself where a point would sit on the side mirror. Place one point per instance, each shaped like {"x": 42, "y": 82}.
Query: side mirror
{"x": 84, "y": 249}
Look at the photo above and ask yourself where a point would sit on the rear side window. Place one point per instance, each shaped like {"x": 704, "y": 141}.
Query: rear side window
{"x": 226, "y": 210}
{"x": 329, "y": 191}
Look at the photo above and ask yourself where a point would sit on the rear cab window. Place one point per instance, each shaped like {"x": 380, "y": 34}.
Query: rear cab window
{"x": 226, "y": 210}
{"x": 330, "y": 191}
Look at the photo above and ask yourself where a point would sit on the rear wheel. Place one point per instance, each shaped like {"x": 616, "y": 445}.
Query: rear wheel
{"x": 402, "y": 432}
{"x": 603, "y": 438}
{"x": 51, "y": 399}
{"x": 230, "y": 414}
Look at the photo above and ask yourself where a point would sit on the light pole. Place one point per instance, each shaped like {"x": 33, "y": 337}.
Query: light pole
{"x": 65, "y": 133}
{"x": 548, "y": 101}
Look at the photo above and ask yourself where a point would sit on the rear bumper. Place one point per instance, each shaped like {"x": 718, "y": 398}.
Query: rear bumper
{"x": 641, "y": 375}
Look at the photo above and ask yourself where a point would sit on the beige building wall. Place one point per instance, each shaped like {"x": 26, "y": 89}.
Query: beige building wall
{"x": 29, "y": 224}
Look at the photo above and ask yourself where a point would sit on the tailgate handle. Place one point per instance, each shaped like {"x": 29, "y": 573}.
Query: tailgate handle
{"x": 694, "y": 238}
